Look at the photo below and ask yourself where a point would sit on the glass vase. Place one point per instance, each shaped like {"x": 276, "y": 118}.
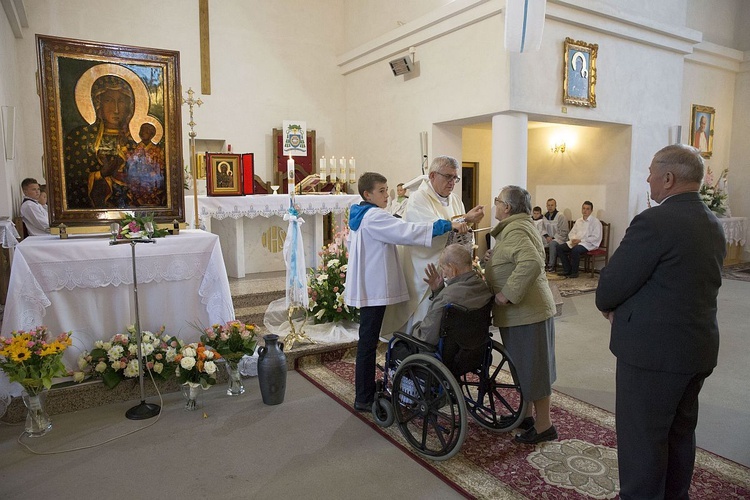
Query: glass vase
{"x": 192, "y": 394}
{"x": 38, "y": 422}
{"x": 235, "y": 387}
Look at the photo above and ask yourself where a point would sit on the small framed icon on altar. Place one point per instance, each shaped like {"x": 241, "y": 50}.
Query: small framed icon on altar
{"x": 223, "y": 174}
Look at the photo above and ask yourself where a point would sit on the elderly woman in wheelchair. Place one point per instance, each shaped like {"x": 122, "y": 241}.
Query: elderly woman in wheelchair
{"x": 449, "y": 366}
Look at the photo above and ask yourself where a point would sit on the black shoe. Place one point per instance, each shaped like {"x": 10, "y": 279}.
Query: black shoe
{"x": 526, "y": 424}
{"x": 363, "y": 406}
{"x": 563, "y": 273}
{"x": 508, "y": 420}
{"x": 573, "y": 275}
{"x": 531, "y": 436}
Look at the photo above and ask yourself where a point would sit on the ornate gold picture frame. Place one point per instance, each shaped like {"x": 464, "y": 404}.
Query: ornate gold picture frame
{"x": 702, "y": 129}
{"x": 224, "y": 174}
{"x": 579, "y": 73}
{"x": 112, "y": 131}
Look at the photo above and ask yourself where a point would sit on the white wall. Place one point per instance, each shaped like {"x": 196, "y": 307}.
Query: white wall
{"x": 10, "y": 178}
{"x": 462, "y": 74}
{"x": 270, "y": 61}
{"x": 293, "y": 60}
{"x": 594, "y": 167}
{"x": 701, "y": 82}
{"x": 365, "y": 20}
{"x": 716, "y": 20}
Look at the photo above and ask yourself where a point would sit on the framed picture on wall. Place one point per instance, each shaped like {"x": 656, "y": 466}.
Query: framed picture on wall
{"x": 702, "y": 129}
{"x": 223, "y": 174}
{"x": 112, "y": 131}
{"x": 579, "y": 73}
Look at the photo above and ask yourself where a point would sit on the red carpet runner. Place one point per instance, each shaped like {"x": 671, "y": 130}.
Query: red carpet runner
{"x": 581, "y": 464}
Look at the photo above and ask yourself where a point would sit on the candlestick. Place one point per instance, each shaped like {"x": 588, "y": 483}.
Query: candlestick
{"x": 290, "y": 174}
{"x": 352, "y": 171}
{"x": 332, "y": 165}
{"x": 322, "y": 172}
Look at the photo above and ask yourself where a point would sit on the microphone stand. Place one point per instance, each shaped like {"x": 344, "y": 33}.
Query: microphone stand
{"x": 143, "y": 410}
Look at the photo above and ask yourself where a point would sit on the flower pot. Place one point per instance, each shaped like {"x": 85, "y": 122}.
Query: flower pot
{"x": 192, "y": 393}
{"x": 38, "y": 422}
{"x": 235, "y": 387}
{"x": 272, "y": 370}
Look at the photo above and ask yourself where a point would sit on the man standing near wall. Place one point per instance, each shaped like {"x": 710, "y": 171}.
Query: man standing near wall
{"x": 659, "y": 293}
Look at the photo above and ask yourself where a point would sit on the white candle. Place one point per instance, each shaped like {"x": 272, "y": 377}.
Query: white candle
{"x": 333, "y": 169}
{"x": 342, "y": 169}
{"x": 352, "y": 171}
{"x": 290, "y": 174}
{"x": 322, "y": 172}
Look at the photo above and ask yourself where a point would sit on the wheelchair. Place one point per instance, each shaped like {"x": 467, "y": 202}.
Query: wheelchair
{"x": 428, "y": 391}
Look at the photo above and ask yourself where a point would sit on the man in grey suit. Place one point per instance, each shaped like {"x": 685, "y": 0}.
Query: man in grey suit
{"x": 659, "y": 293}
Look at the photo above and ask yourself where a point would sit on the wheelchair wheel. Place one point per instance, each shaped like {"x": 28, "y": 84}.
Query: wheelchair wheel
{"x": 429, "y": 408}
{"x": 382, "y": 412}
{"x": 493, "y": 398}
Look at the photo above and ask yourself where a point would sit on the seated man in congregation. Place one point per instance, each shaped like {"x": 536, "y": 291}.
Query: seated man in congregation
{"x": 557, "y": 232}
{"x": 540, "y": 223}
{"x": 33, "y": 213}
{"x": 452, "y": 281}
{"x": 586, "y": 235}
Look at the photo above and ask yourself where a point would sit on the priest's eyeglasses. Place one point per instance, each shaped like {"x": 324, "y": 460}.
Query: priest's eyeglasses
{"x": 449, "y": 177}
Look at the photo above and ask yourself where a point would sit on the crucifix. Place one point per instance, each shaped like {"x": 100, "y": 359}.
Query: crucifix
{"x": 193, "y": 102}
{"x": 205, "y": 47}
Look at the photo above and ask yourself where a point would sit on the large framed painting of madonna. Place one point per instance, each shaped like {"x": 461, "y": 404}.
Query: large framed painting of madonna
{"x": 112, "y": 131}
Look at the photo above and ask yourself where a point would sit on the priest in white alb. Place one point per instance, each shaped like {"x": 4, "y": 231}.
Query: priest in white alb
{"x": 432, "y": 201}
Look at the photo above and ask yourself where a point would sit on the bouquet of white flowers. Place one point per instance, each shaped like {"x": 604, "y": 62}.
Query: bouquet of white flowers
{"x": 326, "y": 283}
{"x": 713, "y": 193}
{"x": 117, "y": 359}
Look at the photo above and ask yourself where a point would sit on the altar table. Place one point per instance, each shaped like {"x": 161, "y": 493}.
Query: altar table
{"x": 8, "y": 240}
{"x": 85, "y": 285}
{"x": 252, "y": 229}
{"x": 735, "y": 230}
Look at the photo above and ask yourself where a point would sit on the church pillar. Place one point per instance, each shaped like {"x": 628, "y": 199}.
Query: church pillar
{"x": 509, "y": 150}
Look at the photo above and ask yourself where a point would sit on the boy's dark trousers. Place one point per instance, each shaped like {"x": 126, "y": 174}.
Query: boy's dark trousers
{"x": 370, "y": 321}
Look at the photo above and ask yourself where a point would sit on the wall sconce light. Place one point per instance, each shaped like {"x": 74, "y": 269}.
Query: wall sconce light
{"x": 558, "y": 148}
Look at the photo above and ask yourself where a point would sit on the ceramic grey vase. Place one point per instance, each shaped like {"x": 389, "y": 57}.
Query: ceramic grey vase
{"x": 272, "y": 370}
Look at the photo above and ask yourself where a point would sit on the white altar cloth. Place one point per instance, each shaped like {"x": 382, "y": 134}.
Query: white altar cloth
{"x": 735, "y": 229}
{"x": 266, "y": 205}
{"x": 249, "y": 245}
{"x": 8, "y": 234}
{"x": 84, "y": 285}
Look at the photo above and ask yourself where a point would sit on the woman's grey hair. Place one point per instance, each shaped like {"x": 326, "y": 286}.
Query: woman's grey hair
{"x": 517, "y": 198}
{"x": 443, "y": 161}
{"x": 685, "y": 163}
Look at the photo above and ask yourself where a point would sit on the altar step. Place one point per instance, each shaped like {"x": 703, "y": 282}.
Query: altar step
{"x": 250, "y": 296}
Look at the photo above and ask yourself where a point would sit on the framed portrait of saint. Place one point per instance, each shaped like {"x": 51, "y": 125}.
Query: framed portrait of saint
{"x": 112, "y": 131}
{"x": 702, "y": 129}
{"x": 223, "y": 174}
{"x": 579, "y": 74}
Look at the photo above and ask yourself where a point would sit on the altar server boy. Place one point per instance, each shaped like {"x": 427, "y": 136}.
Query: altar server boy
{"x": 374, "y": 277}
